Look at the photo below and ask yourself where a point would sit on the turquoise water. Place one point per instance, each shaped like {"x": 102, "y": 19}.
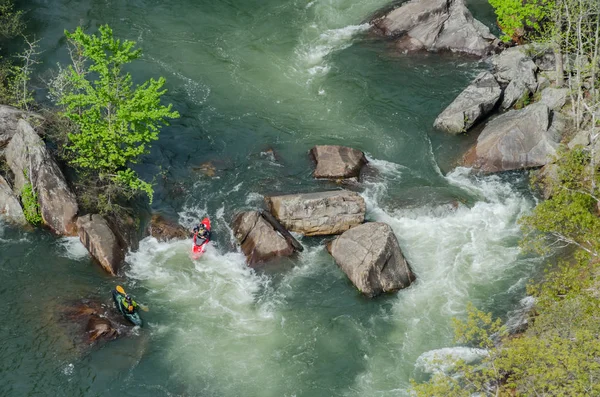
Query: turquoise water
{"x": 249, "y": 76}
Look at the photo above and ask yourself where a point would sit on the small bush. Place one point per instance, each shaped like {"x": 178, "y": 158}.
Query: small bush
{"x": 29, "y": 199}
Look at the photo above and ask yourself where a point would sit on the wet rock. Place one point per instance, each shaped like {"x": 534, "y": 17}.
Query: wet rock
{"x": 164, "y": 229}
{"x": 517, "y": 139}
{"x": 370, "y": 256}
{"x": 471, "y": 105}
{"x": 314, "y": 214}
{"x": 94, "y": 322}
{"x": 10, "y": 208}
{"x": 335, "y": 162}
{"x": 126, "y": 228}
{"x": 436, "y": 25}
{"x": 26, "y": 152}
{"x": 554, "y": 98}
{"x": 207, "y": 169}
{"x": 101, "y": 242}
{"x": 258, "y": 239}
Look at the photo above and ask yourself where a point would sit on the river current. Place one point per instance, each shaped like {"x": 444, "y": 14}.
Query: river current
{"x": 258, "y": 83}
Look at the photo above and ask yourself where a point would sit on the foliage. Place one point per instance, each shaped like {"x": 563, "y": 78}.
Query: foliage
{"x": 558, "y": 355}
{"x": 15, "y": 78}
{"x": 569, "y": 217}
{"x": 116, "y": 121}
{"x": 11, "y": 21}
{"x": 518, "y": 18}
{"x": 29, "y": 199}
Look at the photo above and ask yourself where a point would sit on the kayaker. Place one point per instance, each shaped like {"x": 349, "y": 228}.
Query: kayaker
{"x": 200, "y": 232}
{"x": 129, "y": 304}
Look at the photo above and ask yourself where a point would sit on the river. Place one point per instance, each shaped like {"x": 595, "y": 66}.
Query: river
{"x": 258, "y": 83}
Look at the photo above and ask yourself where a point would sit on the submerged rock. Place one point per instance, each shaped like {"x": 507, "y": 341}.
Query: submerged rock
{"x": 101, "y": 242}
{"x": 94, "y": 322}
{"x": 164, "y": 229}
{"x": 518, "y": 139}
{"x": 436, "y": 25}
{"x": 27, "y": 153}
{"x": 10, "y": 208}
{"x": 335, "y": 162}
{"x": 260, "y": 242}
{"x": 471, "y": 105}
{"x": 370, "y": 256}
{"x": 323, "y": 213}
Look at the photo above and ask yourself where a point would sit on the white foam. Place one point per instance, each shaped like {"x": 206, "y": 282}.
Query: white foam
{"x": 445, "y": 359}
{"x": 72, "y": 248}
{"x": 312, "y": 53}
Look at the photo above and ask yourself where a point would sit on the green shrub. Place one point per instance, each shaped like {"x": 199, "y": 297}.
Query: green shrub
{"x": 29, "y": 199}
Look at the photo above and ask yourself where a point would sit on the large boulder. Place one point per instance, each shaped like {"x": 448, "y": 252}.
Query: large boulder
{"x": 260, "y": 242}
{"x": 517, "y": 139}
{"x": 322, "y": 213}
{"x": 9, "y": 118}
{"x": 335, "y": 162}
{"x": 27, "y": 153}
{"x": 471, "y": 105}
{"x": 370, "y": 256}
{"x": 101, "y": 242}
{"x": 555, "y": 98}
{"x": 164, "y": 229}
{"x": 513, "y": 64}
{"x": 436, "y": 25}
{"x": 10, "y": 208}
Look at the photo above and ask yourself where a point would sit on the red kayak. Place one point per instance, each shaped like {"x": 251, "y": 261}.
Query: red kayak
{"x": 198, "y": 249}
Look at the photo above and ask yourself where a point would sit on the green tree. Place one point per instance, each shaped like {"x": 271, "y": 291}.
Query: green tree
{"x": 116, "y": 120}
{"x": 11, "y": 21}
{"x": 517, "y": 18}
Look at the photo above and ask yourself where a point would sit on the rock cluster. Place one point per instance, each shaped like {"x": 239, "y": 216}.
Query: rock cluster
{"x": 436, "y": 25}
{"x": 368, "y": 253}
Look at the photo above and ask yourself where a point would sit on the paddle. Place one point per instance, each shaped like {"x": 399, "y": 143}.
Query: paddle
{"x": 121, "y": 291}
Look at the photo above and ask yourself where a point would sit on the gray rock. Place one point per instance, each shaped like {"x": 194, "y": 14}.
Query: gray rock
{"x": 581, "y": 138}
{"x": 371, "y": 258}
{"x": 471, "y": 105}
{"x": 259, "y": 241}
{"x": 9, "y": 117}
{"x": 101, "y": 242}
{"x": 517, "y": 139}
{"x": 547, "y": 176}
{"x": 436, "y": 25}
{"x": 555, "y": 98}
{"x": 10, "y": 208}
{"x": 323, "y": 213}
{"x": 26, "y": 152}
{"x": 337, "y": 161}
{"x": 514, "y": 65}
{"x": 515, "y": 90}
{"x": 543, "y": 82}
{"x": 546, "y": 61}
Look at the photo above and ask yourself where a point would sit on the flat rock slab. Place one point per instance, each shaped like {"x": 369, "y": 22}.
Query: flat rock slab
{"x": 101, "y": 242}
{"x": 370, "y": 256}
{"x": 517, "y": 139}
{"x": 436, "y": 25}
{"x": 26, "y": 152}
{"x": 315, "y": 214}
{"x": 335, "y": 162}
{"x": 471, "y": 105}
{"x": 10, "y": 207}
{"x": 259, "y": 241}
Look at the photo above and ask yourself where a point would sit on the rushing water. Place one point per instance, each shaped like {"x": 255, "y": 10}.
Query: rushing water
{"x": 249, "y": 76}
